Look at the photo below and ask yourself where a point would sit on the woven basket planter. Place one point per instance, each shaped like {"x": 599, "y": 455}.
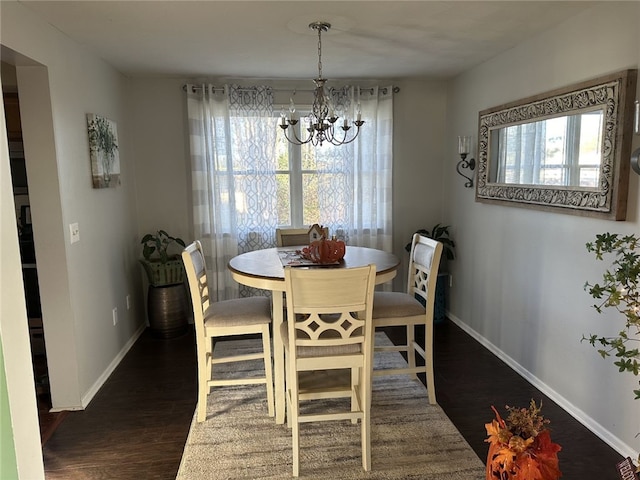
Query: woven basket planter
{"x": 167, "y": 300}
{"x": 163, "y": 274}
{"x": 168, "y": 310}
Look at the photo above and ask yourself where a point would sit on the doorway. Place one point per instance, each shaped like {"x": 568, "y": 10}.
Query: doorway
{"x": 47, "y": 420}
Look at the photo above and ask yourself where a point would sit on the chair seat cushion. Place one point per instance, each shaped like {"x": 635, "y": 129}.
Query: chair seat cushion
{"x": 238, "y": 311}
{"x": 395, "y": 304}
{"x": 319, "y": 351}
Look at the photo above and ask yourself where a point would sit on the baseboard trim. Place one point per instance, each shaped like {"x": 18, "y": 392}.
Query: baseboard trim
{"x": 89, "y": 394}
{"x": 596, "y": 428}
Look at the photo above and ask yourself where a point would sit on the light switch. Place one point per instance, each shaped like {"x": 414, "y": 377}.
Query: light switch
{"x": 74, "y": 233}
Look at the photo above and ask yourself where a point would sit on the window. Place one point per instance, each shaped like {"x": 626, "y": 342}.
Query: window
{"x": 314, "y": 184}
{"x": 558, "y": 151}
{"x": 247, "y": 179}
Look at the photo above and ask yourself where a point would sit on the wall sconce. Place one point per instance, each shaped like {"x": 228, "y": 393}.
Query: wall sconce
{"x": 635, "y": 156}
{"x": 464, "y": 148}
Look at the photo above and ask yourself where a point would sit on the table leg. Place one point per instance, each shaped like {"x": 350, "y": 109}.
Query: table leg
{"x": 278, "y": 357}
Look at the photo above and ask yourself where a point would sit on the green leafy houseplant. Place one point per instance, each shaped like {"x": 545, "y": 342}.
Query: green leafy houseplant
{"x": 441, "y": 234}
{"x": 620, "y": 289}
{"x": 162, "y": 268}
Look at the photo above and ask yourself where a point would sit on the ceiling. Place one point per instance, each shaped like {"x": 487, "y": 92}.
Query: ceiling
{"x": 271, "y": 39}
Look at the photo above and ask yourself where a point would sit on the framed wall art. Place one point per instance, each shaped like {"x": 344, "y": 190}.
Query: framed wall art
{"x": 103, "y": 151}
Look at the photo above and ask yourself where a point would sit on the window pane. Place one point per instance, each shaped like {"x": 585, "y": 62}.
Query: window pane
{"x": 283, "y": 193}
{"x": 309, "y": 161}
{"x": 556, "y": 131}
{"x": 590, "y": 138}
{"x": 282, "y": 151}
{"x": 283, "y": 179}
{"x": 310, "y": 200}
{"x": 553, "y": 175}
{"x": 334, "y": 190}
{"x": 589, "y": 177}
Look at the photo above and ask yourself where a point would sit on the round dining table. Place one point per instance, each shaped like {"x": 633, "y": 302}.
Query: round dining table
{"x": 264, "y": 269}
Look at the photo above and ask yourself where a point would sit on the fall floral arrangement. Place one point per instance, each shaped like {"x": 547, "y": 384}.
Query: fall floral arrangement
{"x": 520, "y": 447}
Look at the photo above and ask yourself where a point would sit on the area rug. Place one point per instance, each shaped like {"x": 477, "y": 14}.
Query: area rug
{"x": 410, "y": 439}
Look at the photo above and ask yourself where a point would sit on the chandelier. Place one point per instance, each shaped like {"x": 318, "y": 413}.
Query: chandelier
{"x": 322, "y": 124}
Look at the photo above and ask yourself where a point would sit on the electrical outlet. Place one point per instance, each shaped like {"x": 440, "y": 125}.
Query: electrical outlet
{"x": 74, "y": 233}
{"x": 128, "y": 302}
{"x": 115, "y": 316}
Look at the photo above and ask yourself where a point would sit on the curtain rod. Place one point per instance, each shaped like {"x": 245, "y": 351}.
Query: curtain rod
{"x": 195, "y": 88}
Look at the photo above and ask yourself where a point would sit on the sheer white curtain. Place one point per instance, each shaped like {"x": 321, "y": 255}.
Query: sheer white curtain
{"x": 371, "y": 224}
{"x": 234, "y": 162}
{"x": 521, "y": 152}
{"x": 354, "y": 180}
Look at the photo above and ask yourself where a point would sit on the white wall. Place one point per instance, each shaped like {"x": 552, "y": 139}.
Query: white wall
{"x": 161, "y": 156}
{"x": 419, "y": 162}
{"x": 519, "y": 276}
{"x": 59, "y": 82}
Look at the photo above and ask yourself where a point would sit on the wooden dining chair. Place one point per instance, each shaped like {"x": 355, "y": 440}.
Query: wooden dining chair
{"x": 415, "y": 307}
{"x": 329, "y": 328}
{"x": 217, "y": 320}
{"x": 293, "y": 237}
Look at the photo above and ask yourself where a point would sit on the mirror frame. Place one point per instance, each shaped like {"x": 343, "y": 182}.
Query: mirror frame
{"x": 615, "y": 93}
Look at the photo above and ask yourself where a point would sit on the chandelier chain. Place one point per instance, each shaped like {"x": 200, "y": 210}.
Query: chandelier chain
{"x": 319, "y": 51}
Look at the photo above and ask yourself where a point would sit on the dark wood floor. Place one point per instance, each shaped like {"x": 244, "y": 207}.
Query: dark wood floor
{"x": 136, "y": 426}
{"x": 469, "y": 379}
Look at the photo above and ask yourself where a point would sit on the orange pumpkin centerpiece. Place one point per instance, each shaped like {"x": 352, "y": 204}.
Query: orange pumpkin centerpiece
{"x": 325, "y": 251}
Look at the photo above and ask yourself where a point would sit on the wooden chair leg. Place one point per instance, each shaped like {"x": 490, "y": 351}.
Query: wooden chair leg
{"x": 287, "y": 392}
{"x": 268, "y": 369}
{"x": 204, "y": 375}
{"x": 365, "y": 426}
{"x": 295, "y": 426}
{"x": 411, "y": 351}
{"x": 365, "y": 433}
{"x": 428, "y": 362}
{"x": 355, "y": 382}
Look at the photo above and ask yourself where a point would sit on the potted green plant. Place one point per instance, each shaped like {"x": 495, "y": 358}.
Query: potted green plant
{"x": 167, "y": 299}
{"x": 620, "y": 290}
{"x": 162, "y": 266}
{"x": 441, "y": 234}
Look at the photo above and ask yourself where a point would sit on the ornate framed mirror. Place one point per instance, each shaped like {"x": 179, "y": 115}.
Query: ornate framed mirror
{"x": 567, "y": 150}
